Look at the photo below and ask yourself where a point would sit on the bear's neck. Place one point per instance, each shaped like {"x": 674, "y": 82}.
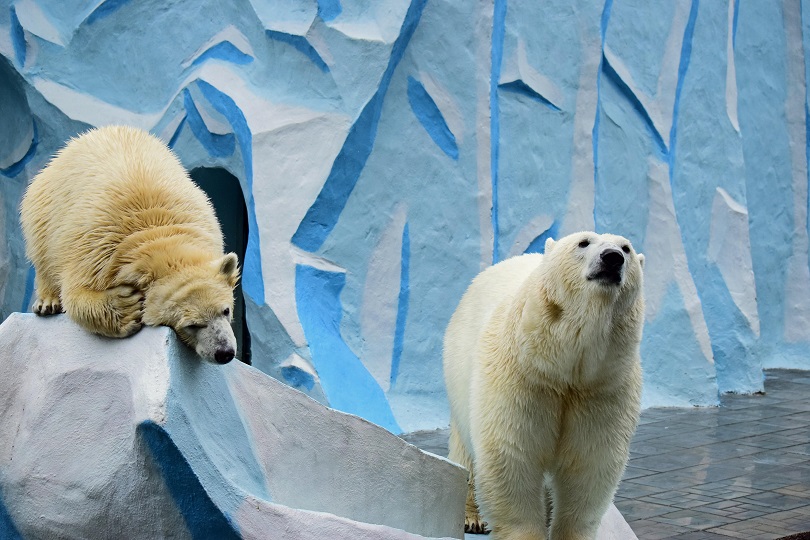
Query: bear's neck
{"x": 577, "y": 341}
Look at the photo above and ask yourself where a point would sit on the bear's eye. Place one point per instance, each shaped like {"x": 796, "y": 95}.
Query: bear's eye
{"x": 626, "y": 249}
{"x": 194, "y": 327}
{"x": 585, "y": 243}
{"x": 226, "y": 311}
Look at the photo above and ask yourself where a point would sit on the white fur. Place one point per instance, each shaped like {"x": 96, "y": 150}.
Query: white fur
{"x": 216, "y": 335}
{"x": 120, "y": 236}
{"x": 544, "y": 380}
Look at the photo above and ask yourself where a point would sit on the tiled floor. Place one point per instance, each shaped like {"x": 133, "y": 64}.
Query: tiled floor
{"x": 741, "y": 470}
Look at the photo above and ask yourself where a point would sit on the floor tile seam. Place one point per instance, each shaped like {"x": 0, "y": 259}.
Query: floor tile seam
{"x": 652, "y": 499}
{"x": 714, "y": 461}
{"x": 734, "y": 418}
{"x": 711, "y": 519}
{"x": 691, "y": 527}
{"x": 679, "y": 453}
{"x": 722, "y": 533}
{"x": 740, "y": 526}
{"x": 754, "y": 445}
{"x": 802, "y": 421}
{"x": 739, "y": 502}
{"x": 779, "y": 431}
{"x": 776, "y": 509}
{"x": 675, "y": 473}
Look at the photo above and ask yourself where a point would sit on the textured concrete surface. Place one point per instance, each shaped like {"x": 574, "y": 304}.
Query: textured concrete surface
{"x": 140, "y": 438}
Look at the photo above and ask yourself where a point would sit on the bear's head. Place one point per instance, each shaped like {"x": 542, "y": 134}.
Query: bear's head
{"x": 599, "y": 265}
{"x": 197, "y": 302}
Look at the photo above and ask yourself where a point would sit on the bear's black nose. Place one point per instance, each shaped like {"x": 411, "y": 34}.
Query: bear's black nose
{"x": 223, "y": 356}
{"x": 612, "y": 258}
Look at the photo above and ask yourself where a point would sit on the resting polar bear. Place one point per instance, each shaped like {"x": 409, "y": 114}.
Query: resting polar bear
{"x": 541, "y": 363}
{"x": 120, "y": 236}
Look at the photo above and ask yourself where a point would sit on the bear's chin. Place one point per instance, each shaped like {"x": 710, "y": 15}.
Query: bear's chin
{"x": 607, "y": 278}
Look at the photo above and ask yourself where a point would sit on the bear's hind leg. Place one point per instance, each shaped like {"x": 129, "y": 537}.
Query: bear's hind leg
{"x": 47, "y": 301}
{"x": 114, "y": 312}
{"x": 473, "y": 523}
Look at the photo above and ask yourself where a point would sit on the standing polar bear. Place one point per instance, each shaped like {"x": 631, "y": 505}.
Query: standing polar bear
{"x": 120, "y": 236}
{"x": 541, "y": 362}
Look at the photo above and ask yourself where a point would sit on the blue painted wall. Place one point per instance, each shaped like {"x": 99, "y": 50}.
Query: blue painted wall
{"x": 385, "y": 161}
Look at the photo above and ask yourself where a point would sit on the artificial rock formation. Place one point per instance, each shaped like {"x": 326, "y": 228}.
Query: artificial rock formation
{"x": 139, "y": 438}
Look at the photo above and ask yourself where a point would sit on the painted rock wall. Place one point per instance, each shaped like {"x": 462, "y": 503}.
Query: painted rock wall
{"x": 139, "y": 438}
{"x": 389, "y": 151}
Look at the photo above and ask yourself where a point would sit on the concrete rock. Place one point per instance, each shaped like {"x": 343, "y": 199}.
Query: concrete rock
{"x": 139, "y": 438}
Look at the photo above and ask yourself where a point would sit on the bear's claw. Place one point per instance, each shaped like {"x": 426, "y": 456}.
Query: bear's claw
{"x": 475, "y": 526}
{"x": 47, "y": 306}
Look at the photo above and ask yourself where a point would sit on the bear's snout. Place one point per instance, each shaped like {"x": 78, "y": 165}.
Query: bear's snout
{"x": 612, "y": 258}
{"x": 223, "y": 356}
{"x": 608, "y": 269}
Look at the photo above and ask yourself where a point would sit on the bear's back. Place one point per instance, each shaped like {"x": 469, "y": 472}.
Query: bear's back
{"x": 103, "y": 187}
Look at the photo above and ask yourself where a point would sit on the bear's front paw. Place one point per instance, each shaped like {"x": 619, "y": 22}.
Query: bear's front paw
{"x": 127, "y": 302}
{"x": 475, "y": 525}
{"x": 49, "y": 305}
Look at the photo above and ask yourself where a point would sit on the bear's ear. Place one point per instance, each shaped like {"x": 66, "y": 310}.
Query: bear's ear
{"x": 550, "y": 243}
{"x": 229, "y": 267}
{"x": 641, "y": 259}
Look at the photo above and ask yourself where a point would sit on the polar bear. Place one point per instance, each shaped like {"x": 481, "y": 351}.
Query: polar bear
{"x": 120, "y": 236}
{"x": 542, "y": 367}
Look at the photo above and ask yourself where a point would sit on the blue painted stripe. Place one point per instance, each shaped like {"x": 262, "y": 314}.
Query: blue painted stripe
{"x": 603, "y": 26}
{"x": 403, "y": 303}
{"x": 224, "y": 50}
{"x": 16, "y": 168}
{"x": 300, "y": 44}
{"x": 17, "y": 37}
{"x": 538, "y": 245}
{"x": 520, "y": 87}
{"x": 498, "y": 31}
{"x": 252, "y": 277}
{"x": 686, "y": 55}
{"x": 8, "y": 531}
{"x": 348, "y": 386}
{"x": 604, "y": 20}
{"x": 177, "y": 132}
{"x": 328, "y": 10}
{"x": 202, "y": 516}
{"x": 105, "y": 9}
{"x": 429, "y": 115}
{"x": 217, "y": 145}
{"x": 805, "y": 42}
{"x": 29, "y": 289}
{"x": 222, "y": 456}
{"x": 635, "y": 102}
{"x": 323, "y": 215}
{"x": 297, "y": 377}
